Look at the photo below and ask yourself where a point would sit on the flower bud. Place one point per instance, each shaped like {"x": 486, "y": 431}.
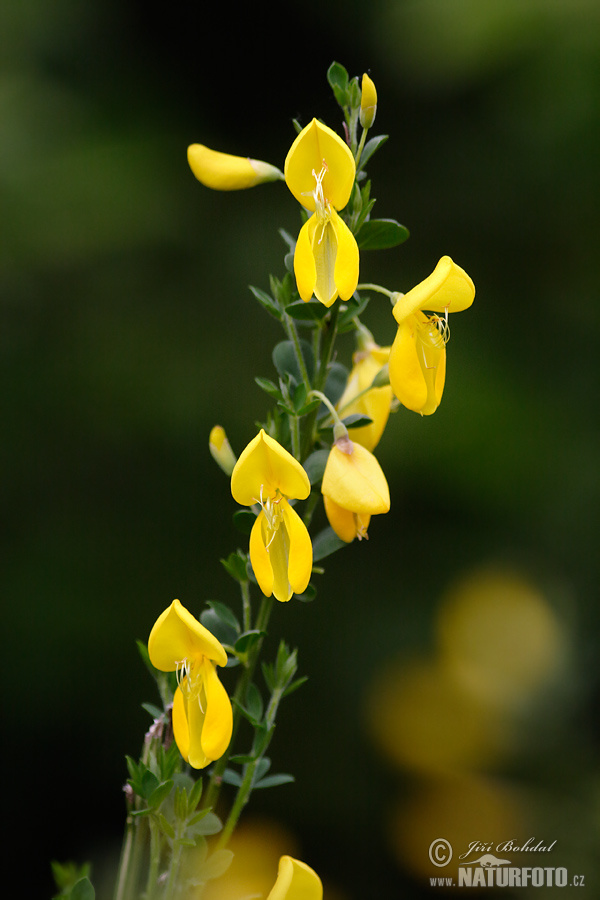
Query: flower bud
{"x": 220, "y": 449}
{"x": 368, "y": 102}
{"x": 224, "y": 172}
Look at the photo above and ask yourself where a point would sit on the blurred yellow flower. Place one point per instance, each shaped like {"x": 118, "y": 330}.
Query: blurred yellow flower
{"x": 224, "y": 172}
{"x": 354, "y": 489}
{"x": 220, "y": 449}
{"x": 202, "y": 714}
{"x": 296, "y": 881}
{"x": 417, "y": 364}
{"x": 319, "y": 171}
{"x": 359, "y": 398}
{"x": 280, "y": 546}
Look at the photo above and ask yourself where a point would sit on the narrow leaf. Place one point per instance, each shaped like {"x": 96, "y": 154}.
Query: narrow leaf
{"x": 381, "y": 234}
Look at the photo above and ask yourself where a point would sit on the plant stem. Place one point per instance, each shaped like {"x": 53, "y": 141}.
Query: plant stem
{"x": 245, "y": 789}
{"x": 329, "y": 332}
{"x": 292, "y": 331}
{"x": 214, "y": 786}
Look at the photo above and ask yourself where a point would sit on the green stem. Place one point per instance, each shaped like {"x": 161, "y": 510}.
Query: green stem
{"x": 295, "y": 435}
{"x": 153, "y": 868}
{"x": 360, "y": 148}
{"x": 173, "y": 871}
{"x": 214, "y": 786}
{"x": 292, "y": 331}
{"x": 378, "y": 288}
{"x": 329, "y": 332}
{"x": 246, "y": 610}
{"x": 245, "y": 789}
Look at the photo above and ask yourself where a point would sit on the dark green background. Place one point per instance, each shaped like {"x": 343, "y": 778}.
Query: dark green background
{"x": 128, "y": 330}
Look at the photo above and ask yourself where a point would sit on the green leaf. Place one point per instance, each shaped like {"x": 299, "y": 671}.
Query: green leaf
{"x": 161, "y": 793}
{"x": 295, "y": 685}
{"x": 357, "y": 420}
{"x": 314, "y": 465}
{"x": 148, "y": 784}
{"x": 353, "y": 308}
{"x": 284, "y": 359}
{"x": 381, "y": 234}
{"x": 232, "y": 777}
{"x": 216, "y": 864}
{"x": 254, "y": 702}
{"x": 206, "y": 824}
{"x": 337, "y": 378}
{"x": 235, "y": 565}
{"x": 308, "y": 595}
{"x": 337, "y": 76}
{"x": 269, "y": 387}
{"x": 217, "y": 626}
{"x": 372, "y": 145}
{"x": 312, "y": 310}
{"x": 247, "y": 640}
{"x": 325, "y": 543}
{"x": 165, "y": 826}
{"x": 243, "y": 520}
{"x": 83, "y": 890}
{"x": 152, "y": 710}
{"x": 267, "y": 302}
{"x": 224, "y": 613}
{"x": 274, "y": 781}
{"x": 195, "y": 794}
{"x": 308, "y": 407}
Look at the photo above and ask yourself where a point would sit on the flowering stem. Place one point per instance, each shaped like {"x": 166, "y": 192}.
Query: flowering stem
{"x": 329, "y": 332}
{"x": 154, "y": 860}
{"x": 375, "y": 287}
{"x": 360, "y": 148}
{"x": 292, "y": 331}
{"x": 245, "y": 789}
{"x": 216, "y": 778}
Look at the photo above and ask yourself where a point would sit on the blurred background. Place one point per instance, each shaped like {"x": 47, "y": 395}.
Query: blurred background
{"x": 452, "y": 660}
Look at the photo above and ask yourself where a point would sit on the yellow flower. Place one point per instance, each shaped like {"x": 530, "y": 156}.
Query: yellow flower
{"x": 220, "y": 449}
{"x": 354, "y": 489}
{"x": 368, "y": 102}
{"x": 417, "y": 364}
{"x": 296, "y": 881}
{"x": 280, "y": 546}
{"x": 224, "y": 172}
{"x": 202, "y": 715}
{"x": 319, "y": 171}
{"x": 360, "y": 399}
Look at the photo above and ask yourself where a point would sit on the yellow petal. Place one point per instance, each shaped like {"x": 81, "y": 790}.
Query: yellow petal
{"x": 300, "y": 553}
{"x": 296, "y": 881}
{"x": 177, "y": 635}
{"x": 375, "y": 403}
{"x": 305, "y": 269}
{"x": 218, "y": 717}
{"x": 265, "y": 465}
{"x": 326, "y": 260}
{"x": 324, "y": 248}
{"x": 281, "y": 558}
{"x": 181, "y": 732}
{"x": 259, "y": 556}
{"x": 447, "y": 288}
{"x": 346, "y": 524}
{"x": 224, "y": 172}
{"x": 417, "y": 366}
{"x": 355, "y": 481}
{"x": 315, "y": 147}
{"x": 347, "y": 258}
{"x": 406, "y": 375}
